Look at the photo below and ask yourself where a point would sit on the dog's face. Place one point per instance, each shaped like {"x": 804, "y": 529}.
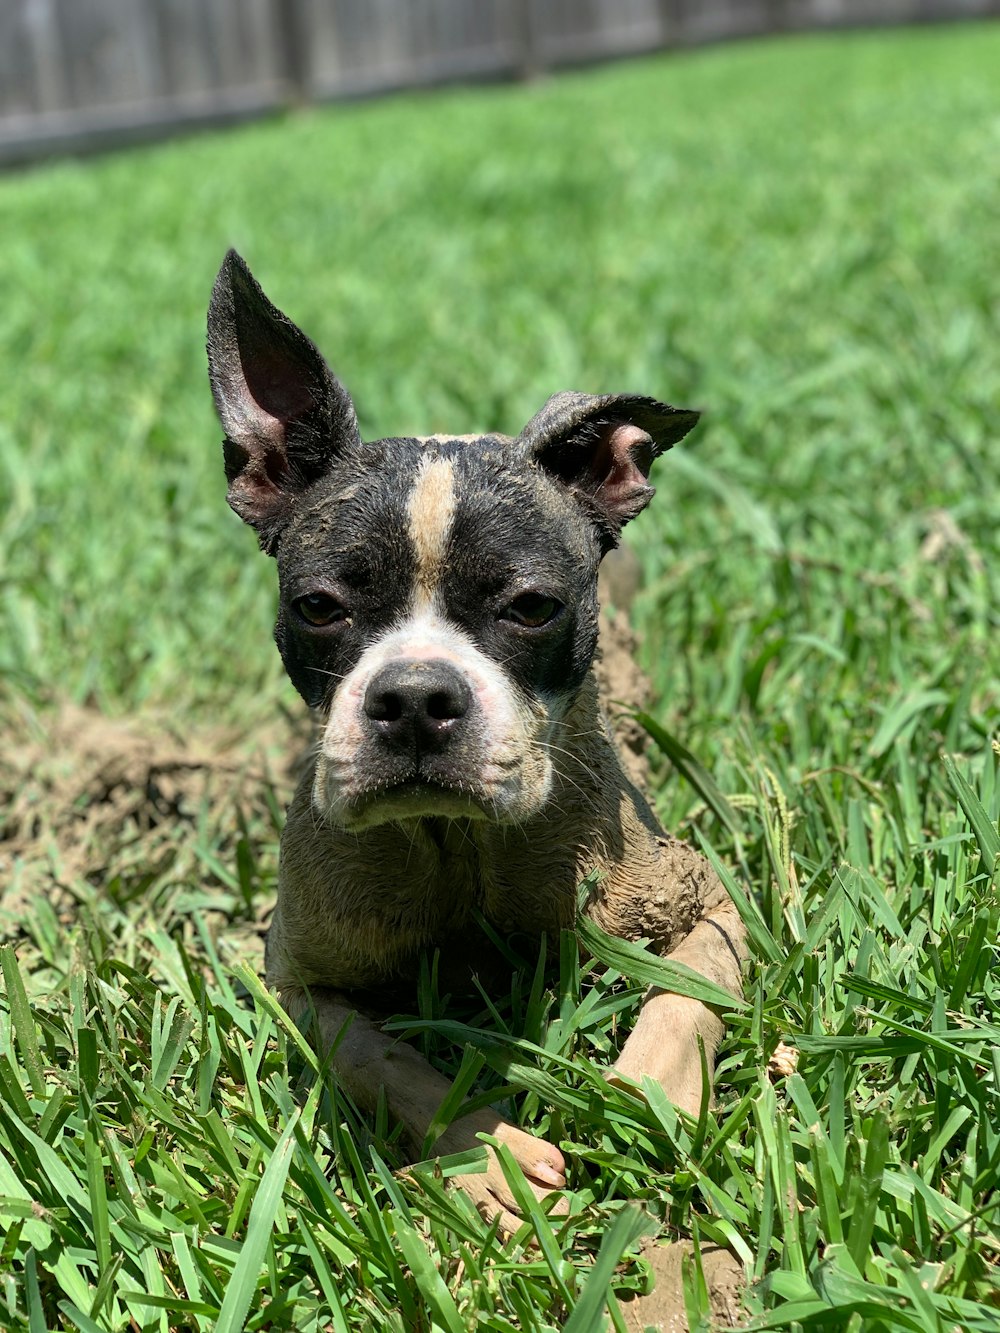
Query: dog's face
{"x": 438, "y": 606}
{"x": 438, "y": 602}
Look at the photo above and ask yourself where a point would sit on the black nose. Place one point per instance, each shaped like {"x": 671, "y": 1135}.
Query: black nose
{"x": 416, "y": 705}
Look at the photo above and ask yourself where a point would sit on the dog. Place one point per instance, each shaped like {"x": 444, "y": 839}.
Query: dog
{"x": 439, "y": 614}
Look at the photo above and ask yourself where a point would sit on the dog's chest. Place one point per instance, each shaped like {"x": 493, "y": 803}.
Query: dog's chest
{"x": 365, "y": 910}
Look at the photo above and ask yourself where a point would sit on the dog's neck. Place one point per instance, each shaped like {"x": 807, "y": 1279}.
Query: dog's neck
{"x": 407, "y": 886}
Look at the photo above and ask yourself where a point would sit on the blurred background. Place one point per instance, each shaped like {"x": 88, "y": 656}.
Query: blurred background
{"x": 85, "y": 73}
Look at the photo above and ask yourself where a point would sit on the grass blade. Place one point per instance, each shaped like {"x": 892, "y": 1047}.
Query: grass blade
{"x": 243, "y": 1281}
{"x": 24, "y": 1023}
{"x": 427, "y": 1279}
{"x": 624, "y": 1231}
{"x": 984, "y": 828}
{"x": 698, "y": 776}
{"x": 638, "y": 964}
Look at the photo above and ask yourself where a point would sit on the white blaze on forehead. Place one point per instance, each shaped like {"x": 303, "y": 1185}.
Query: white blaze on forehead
{"x": 430, "y": 512}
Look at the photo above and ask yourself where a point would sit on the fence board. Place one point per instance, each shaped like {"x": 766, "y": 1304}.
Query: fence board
{"x": 568, "y": 30}
{"x": 96, "y": 43}
{"x": 92, "y": 73}
{"x": 17, "y": 63}
{"x": 43, "y": 39}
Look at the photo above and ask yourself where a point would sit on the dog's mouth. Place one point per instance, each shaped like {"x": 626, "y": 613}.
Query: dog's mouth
{"x": 390, "y": 801}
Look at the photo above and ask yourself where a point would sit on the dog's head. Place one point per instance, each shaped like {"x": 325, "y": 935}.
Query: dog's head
{"x": 438, "y": 597}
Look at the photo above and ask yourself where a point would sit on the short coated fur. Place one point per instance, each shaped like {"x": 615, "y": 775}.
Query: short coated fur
{"x": 439, "y": 613}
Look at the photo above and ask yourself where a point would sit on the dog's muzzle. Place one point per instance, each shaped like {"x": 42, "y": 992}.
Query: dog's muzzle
{"x": 426, "y": 725}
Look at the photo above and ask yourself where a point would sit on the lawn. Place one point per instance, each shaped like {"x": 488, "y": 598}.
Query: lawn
{"x": 800, "y": 238}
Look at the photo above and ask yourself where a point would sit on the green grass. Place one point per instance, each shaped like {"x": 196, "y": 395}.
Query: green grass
{"x": 797, "y": 236}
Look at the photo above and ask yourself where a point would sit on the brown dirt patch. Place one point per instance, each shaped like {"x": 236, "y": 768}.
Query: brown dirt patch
{"x": 83, "y": 796}
{"x": 624, "y": 686}
{"x": 663, "y": 1309}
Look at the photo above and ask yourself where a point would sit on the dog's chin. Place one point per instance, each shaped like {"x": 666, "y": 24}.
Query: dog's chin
{"x": 505, "y": 794}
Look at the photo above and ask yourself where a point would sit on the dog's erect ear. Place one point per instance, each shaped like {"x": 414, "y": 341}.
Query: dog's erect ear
{"x": 602, "y": 449}
{"x": 286, "y": 416}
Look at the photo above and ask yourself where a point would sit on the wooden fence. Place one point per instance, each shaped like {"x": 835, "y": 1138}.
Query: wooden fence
{"x": 84, "y": 74}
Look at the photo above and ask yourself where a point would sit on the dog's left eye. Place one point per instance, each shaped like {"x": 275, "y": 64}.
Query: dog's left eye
{"x": 319, "y": 608}
{"x": 532, "y": 609}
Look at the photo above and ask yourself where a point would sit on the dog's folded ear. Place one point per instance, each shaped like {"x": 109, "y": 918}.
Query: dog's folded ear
{"x": 286, "y": 416}
{"x": 602, "y": 448}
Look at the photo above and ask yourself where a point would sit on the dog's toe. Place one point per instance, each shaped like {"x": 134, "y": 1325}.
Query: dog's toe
{"x": 543, "y": 1168}
{"x": 542, "y": 1163}
{"x": 494, "y": 1198}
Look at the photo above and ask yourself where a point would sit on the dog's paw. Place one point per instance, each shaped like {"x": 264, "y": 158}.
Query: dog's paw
{"x": 542, "y": 1165}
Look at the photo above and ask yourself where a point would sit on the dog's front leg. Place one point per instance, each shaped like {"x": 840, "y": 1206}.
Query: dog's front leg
{"x": 666, "y": 1041}
{"x": 367, "y": 1061}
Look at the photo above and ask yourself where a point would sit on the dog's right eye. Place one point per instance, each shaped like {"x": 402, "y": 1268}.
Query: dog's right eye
{"x": 319, "y": 609}
{"x": 532, "y": 610}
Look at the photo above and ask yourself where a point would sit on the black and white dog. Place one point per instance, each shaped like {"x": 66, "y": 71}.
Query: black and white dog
{"x": 439, "y": 613}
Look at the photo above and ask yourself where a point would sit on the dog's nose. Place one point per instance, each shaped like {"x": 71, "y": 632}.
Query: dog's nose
{"x": 415, "y": 705}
